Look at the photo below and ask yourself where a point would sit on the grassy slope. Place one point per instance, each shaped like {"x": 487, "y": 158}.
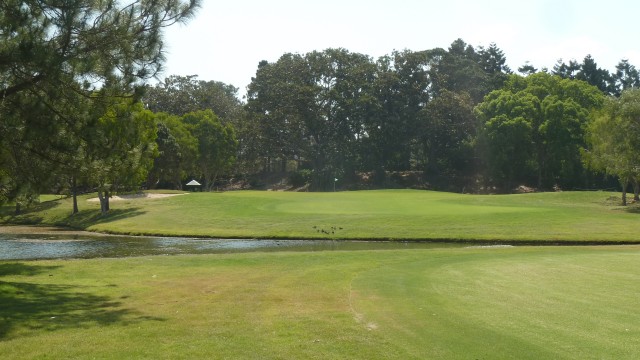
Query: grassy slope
{"x": 391, "y": 214}
{"x": 510, "y": 303}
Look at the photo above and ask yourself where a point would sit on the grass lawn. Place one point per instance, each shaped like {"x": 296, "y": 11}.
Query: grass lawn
{"x": 385, "y": 214}
{"x": 453, "y": 303}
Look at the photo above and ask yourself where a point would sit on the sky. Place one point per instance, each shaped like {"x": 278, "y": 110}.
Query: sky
{"x": 227, "y": 39}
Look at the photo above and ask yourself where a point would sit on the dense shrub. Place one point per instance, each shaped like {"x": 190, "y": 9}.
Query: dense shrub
{"x": 300, "y": 178}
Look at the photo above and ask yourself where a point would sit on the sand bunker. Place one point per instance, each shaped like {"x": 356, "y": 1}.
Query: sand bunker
{"x": 137, "y": 196}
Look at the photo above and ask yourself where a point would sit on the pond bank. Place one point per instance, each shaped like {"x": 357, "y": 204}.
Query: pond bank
{"x": 46, "y": 243}
{"x": 44, "y": 230}
{"x": 62, "y": 231}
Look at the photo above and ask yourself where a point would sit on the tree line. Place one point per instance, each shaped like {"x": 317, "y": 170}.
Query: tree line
{"x": 77, "y": 114}
{"x": 459, "y": 117}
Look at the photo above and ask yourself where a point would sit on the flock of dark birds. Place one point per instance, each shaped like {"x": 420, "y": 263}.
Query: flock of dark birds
{"x": 332, "y": 230}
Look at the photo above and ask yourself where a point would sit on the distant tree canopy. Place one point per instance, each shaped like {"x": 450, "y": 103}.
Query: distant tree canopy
{"x": 339, "y": 113}
{"x": 458, "y": 116}
{"x": 179, "y": 95}
{"x": 177, "y": 153}
{"x": 196, "y": 130}
{"x": 217, "y": 145}
{"x": 625, "y": 77}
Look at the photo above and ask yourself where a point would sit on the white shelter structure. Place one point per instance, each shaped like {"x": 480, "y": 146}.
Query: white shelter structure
{"x": 193, "y": 185}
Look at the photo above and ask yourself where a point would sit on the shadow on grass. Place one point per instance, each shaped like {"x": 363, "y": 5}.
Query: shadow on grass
{"x": 8, "y": 212}
{"x": 633, "y": 210}
{"x": 81, "y": 220}
{"x": 28, "y": 306}
{"x": 86, "y": 218}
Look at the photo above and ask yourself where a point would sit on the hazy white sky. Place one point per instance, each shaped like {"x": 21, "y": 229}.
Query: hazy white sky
{"x": 227, "y": 39}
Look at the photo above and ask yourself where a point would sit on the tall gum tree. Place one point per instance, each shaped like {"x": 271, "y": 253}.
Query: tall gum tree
{"x": 278, "y": 99}
{"x": 402, "y": 88}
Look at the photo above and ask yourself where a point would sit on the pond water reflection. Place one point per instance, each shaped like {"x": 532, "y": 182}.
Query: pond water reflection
{"x": 55, "y": 246}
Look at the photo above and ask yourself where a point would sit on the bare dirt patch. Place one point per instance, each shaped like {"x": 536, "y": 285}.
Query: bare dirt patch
{"x": 137, "y": 196}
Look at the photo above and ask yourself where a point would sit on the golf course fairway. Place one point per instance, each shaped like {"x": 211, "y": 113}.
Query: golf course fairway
{"x": 452, "y": 303}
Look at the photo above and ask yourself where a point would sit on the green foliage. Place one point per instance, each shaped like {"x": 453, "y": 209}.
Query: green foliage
{"x": 614, "y": 139}
{"x": 462, "y": 69}
{"x": 448, "y": 129}
{"x": 177, "y": 152}
{"x": 61, "y": 65}
{"x": 340, "y": 112}
{"x": 119, "y": 149}
{"x": 277, "y": 93}
{"x": 534, "y": 127}
{"x": 179, "y": 95}
{"x": 300, "y": 178}
{"x": 313, "y": 108}
{"x": 510, "y": 145}
{"x": 99, "y": 42}
{"x": 400, "y": 92}
{"x": 626, "y": 77}
{"x": 217, "y": 145}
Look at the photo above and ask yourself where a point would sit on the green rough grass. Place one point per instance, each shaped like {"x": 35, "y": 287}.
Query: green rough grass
{"x": 385, "y": 214}
{"x": 455, "y": 303}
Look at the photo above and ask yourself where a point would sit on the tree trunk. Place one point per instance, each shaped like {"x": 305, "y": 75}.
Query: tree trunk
{"x": 101, "y": 198}
{"x": 636, "y": 190}
{"x": 177, "y": 183}
{"x": 74, "y": 194}
{"x": 539, "y": 177}
{"x": 104, "y": 201}
{"x": 207, "y": 184}
{"x": 267, "y": 165}
{"x": 541, "y": 173}
{"x": 624, "y": 184}
{"x": 214, "y": 177}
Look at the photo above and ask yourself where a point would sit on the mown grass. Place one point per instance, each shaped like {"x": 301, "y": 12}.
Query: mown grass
{"x": 454, "y": 303}
{"x": 390, "y": 214}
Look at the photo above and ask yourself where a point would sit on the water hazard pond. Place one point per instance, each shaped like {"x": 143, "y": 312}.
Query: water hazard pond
{"x": 24, "y": 243}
